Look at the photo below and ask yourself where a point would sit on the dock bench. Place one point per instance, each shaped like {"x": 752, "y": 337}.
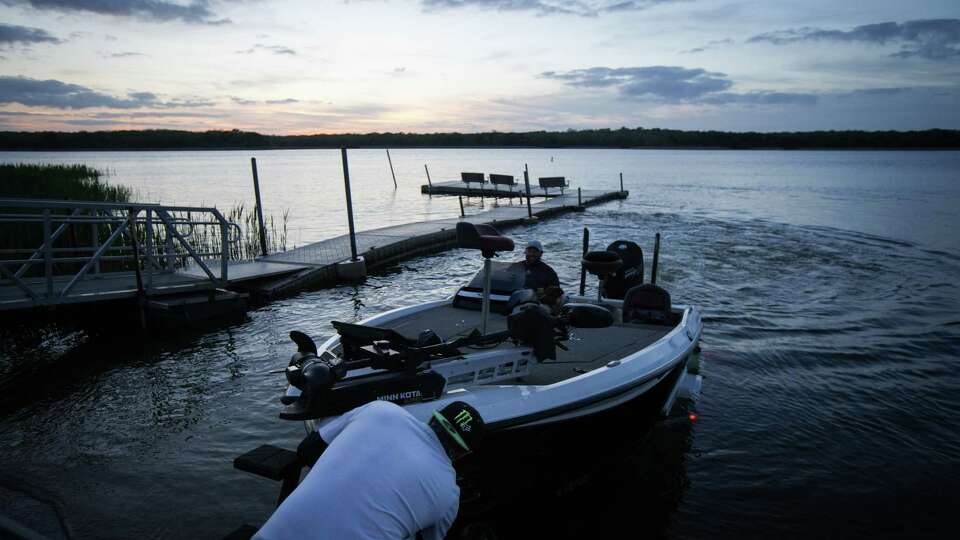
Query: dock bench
{"x": 472, "y": 178}
{"x": 503, "y": 180}
{"x": 548, "y": 182}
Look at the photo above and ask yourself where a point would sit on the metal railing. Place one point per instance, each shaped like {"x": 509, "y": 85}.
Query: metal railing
{"x": 89, "y": 240}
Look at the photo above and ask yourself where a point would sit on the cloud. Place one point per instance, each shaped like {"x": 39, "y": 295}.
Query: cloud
{"x": 582, "y": 8}
{"x": 934, "y": 39}
{"x": 61, "y": 95}
{"x": 125, "y": 54}
{"x": 196, "y": 12}
{"x": 275, "y": 49}
{"x": 673, "y": 84}
{"x": 711, "y": 45}
{"x": 243, "y": 101}
{"x": 10, "y": 34}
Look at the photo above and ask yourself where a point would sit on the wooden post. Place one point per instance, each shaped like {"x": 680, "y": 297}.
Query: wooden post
{"x": 621, "y": 182}
{"x": 526, "y": 182}
{"x": 256, "y": 192}
{"x": 579, "y": 198}
{"x": 583, "y": 271}
{"x": 391, "y": 169}
{"x": 460, "y": 197}
{"x": 429, "y": 183}
{"x": 346, "y": 187}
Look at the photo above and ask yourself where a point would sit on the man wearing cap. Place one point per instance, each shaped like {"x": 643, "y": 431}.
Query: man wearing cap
{"x": 378, "y": 472}
{"x": 539, "y": 275}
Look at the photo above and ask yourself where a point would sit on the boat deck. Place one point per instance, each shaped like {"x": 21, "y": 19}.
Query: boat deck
{"x": 590, "y": 348}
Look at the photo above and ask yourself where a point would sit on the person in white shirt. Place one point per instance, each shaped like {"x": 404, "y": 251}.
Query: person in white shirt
{"x": 379, "y": 473}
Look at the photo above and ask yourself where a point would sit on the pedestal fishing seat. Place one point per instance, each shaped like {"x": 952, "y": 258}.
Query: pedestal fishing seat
{"x": 648, "y": 304}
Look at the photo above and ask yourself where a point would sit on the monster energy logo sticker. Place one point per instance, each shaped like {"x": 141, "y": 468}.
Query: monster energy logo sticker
{"x": 463, "y": 419}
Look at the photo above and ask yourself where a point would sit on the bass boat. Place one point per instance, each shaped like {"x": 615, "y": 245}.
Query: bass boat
{"x": 541, "y": 374}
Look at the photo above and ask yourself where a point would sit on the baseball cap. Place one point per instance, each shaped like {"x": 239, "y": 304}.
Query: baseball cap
{"x": 462, "y": 422}
{"x": 535, "y": 244}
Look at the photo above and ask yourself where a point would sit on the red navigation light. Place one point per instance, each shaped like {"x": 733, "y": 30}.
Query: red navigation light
{"x": 692, "y": 417}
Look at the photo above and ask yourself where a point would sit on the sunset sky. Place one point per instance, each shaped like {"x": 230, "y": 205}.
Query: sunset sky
{"x": 302, "y": 66}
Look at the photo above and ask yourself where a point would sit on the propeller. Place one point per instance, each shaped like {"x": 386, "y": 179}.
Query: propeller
{"x": 303, "y": 341}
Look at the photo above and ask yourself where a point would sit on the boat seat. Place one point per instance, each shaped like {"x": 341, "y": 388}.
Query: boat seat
{"x": 483, "y": 237}
{"x": 601, "y": 263}
{"x": 648, "y": 304}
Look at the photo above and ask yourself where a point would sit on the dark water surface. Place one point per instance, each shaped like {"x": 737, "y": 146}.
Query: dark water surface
{"x": 830, "y": 399}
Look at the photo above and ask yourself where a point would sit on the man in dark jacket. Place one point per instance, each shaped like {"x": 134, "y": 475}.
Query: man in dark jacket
{"x": 539, "y": 275}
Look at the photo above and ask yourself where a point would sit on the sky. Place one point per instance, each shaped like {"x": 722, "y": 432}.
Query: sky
{"x": 358, "y": 66}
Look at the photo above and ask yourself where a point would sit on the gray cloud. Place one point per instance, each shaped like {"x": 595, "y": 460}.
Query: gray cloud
{"x": 711, "y": 45}
{"x": 242, "y": 101}
{"x": 583, "y": 8}
{"x": 670, "y": 82}
{"x": 61, "y": 95}
{"x": 673, "y": 84}
{"x": 275, "y": 49}
{"x": 197, "y": 12}
{"x": 10, "y": 34}
{"x": 935, "y": 39}
{"x": 125, "y": 54}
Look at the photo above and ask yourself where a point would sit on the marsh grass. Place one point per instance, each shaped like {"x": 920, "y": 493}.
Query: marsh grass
{"x": 69, "y": 182}
{"x": 81, "y": 183}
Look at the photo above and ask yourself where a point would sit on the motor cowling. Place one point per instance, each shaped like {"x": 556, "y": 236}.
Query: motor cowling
{"x": 532, "y": 324}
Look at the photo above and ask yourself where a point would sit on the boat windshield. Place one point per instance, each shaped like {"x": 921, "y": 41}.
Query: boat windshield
{"x": 504, "y": 276}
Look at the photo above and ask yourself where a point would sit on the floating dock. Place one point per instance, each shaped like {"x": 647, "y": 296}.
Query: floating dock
{"x": 318, "y": 262}
{"x": 49, "y": 275}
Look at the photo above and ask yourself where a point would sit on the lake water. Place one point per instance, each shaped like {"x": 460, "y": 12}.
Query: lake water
{"x": 828, "y": 282}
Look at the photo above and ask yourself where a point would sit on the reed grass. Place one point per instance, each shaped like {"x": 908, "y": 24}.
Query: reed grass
{"x": 49, "y": 181}
{"x": 83, "y": 183}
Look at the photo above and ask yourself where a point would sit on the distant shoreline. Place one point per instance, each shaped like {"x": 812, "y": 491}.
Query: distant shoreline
{"x": 623, "y": 138}
{"x": 690, "y": 148}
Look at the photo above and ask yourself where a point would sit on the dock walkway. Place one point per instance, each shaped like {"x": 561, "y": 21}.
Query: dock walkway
{"x": 317, "y": 262}
{"x": 312, "y": 265}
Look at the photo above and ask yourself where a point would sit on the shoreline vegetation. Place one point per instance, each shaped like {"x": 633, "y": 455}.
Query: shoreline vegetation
{"x": 631, "y": 138}
{"x": 83, "y": 183}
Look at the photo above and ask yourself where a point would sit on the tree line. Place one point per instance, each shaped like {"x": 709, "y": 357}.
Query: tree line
{"x": 589, "y": 138}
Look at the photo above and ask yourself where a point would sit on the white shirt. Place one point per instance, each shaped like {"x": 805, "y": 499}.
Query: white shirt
{"x": 385, "y": 475}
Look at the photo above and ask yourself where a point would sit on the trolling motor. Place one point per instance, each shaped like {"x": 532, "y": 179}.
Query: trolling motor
{"x": 489, "y": 241}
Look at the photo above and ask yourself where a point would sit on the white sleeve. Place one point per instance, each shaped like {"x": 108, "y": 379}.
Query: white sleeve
{"x": 439, "y": 530}
{"x": 330, "y": 429}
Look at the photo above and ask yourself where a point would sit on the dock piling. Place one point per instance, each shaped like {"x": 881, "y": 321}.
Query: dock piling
{"x": 526, "y": 182}
{"x": 429, "y": 183}
{"x": 346, "y": 187}
{"x": 390, "y": 161}
{"x": 579, "y": 197}
{"x": 141, "y": 295}
{"x": 461, "y": 206}
{"x": 656, "y": 260}
{"x": 256, "y": 192}
{"x": 621, "y": 182}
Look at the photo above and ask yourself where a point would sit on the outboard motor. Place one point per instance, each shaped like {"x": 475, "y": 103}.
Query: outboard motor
{"x": 532, "y": 324}
{"x": 630, "y": 273}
